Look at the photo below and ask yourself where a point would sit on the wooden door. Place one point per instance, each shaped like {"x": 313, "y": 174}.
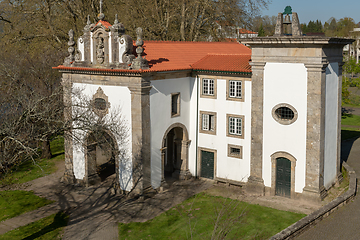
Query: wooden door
{"x": 207, "y": 164}
{"x": 283, "y": 177}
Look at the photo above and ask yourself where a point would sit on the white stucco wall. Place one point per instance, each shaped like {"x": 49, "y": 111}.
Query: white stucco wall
{"x": 285, "y": 83}
{"x": 331, "y": 124}
{"x": 161, "y": 120}
{"x": 228, "y": 167}
{"x": 120, "y": 100}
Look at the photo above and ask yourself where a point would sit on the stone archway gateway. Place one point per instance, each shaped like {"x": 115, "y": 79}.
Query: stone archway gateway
{"x": 175, "y": 146}
{"x": 101, "y": 157}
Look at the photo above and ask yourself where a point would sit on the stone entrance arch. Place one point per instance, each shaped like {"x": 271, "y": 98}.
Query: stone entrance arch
{"x": 174, "y": 152}
{"x": 101, "y": 156}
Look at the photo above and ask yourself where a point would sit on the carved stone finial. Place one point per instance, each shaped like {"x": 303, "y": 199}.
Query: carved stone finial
{"x": 88, "y": 24}
{"x": 118, "y": 27}
{"x": 139, "y": 62}
{"x": 88, "y": 20}
{"x": 101, "y": 15}
{"x": 71, "y": 49}
{"x": 116, "y": 19}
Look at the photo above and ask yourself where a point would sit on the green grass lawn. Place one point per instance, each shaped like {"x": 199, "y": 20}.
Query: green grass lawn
{"x": 29, "y": 171}
{"x": 198, "y": 215}
{"x": 14, "y": 203}
{"x": 46, "y": 228}
{"x": 350, "y": 119}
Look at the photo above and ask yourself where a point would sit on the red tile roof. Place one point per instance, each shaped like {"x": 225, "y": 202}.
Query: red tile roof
{"x": 106, "y": 24}
{"x": 224, "y": 62}
{"x": 165, "y": 56}
{"x": 171, "y": 56}
{"x": 245, "y": 31}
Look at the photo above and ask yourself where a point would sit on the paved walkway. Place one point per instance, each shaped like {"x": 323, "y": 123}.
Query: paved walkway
{"x": 345, "y": 222}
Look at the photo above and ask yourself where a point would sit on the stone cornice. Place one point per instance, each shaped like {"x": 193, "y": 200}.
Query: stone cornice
{"x": 316, "y": 67}
{"x": 257, "y": 66}
{"x": 99, "y": 71}
{"x": 290, "y": 40}
{"x": 143, "y": 90}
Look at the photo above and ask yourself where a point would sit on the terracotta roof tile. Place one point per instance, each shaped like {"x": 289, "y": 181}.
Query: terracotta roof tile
{"x": 165, "y": 56}
{"x": 245, "y": 31}
{"x": 224, "y": 62}
{"x": 106, "y": 24}
{"x": 173, "y": 56}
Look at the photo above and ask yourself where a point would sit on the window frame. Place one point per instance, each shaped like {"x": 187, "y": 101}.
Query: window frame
{"x": 173, "y": 114}
{"x": 284, "y": 121}
{"x": 240, "y": 156}
{"x": 228, "y": 97}
{"x": 208, "y": 129}
{"x": 242, "y": 117}
{"x": 208, "y": 95}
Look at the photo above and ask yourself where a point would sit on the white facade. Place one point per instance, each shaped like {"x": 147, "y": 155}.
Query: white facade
{"x": 228, "y": 168}
{"x": 120, "y": 101}
{"x": 280, "y": 88}
{"x": 161, "y": 119}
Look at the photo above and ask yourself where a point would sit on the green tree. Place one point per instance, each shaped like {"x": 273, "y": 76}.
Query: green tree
{"x": 261, "y": 31}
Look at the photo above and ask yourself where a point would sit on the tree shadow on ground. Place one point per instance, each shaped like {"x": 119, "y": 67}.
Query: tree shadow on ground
{"x": 96, "y": 207}
{"x": 346, "y": 145}
{"x": 60, "y": 220}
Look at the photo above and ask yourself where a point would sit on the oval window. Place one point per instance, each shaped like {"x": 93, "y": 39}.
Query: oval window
{"x": 100, "y": 103}
{"x": 284, "y": 113}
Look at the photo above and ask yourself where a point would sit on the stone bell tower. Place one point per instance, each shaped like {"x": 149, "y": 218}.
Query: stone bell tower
{"x": 102, "y": 64}
{"x": 296, "y": 111}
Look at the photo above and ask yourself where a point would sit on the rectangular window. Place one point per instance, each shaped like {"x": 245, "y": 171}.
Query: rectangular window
{"x": 235, "y": 125}
{"x": 208, "y": 122}
{"x": 234, "y": 90}
{"x": 175, "y": 104}
{"x": 208, "y": 88}
{"x": 235, "y": 151}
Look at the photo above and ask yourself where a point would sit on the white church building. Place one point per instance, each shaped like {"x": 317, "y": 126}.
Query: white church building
{"x": 266, "y": 117}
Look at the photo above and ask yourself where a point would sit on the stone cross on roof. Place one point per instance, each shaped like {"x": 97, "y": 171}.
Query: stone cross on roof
{"x": 101, "y": 15}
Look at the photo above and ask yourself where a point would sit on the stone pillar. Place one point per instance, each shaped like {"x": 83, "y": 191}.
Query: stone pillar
{"x": 184, "y": 169}
{"x": 163, "y": 154}
{"x": 69, "y": 176}
{"x": 279, "y": 25}
{"x": 255, "y": 184}
{"x": 315, "y": 132}
{"x": 140, "y": 122}
{"x": 295, "y": 25}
